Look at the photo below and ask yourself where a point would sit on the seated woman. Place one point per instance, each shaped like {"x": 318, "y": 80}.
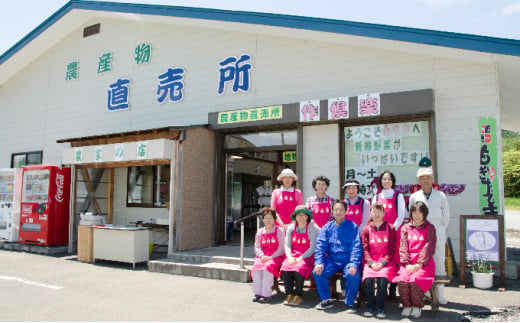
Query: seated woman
{"x": 300, "y": 241}
{"x": 378, "y": 240}
{"x": 417, "y": 271}
{"x": 269, "y": 256}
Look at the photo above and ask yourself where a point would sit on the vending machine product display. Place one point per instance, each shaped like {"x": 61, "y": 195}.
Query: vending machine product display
{"x": 44, "y": 216}
{"x": 10, "y": 193}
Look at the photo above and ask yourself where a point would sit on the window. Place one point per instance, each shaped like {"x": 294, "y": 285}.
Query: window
{"x": 19, "y": 160}
{"x": 372, "y": 149}
{"x": 91, "y": 30}
{"x": 261, "y": 139}
{"x": 148, "y": 186}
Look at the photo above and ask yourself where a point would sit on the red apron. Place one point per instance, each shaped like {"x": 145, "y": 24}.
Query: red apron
{"x": 355, "y": 212}
{"x": 269, "y": 245}
{"x": 425, "y": 276}
{"x": 378, "y": 245}
{"x": 321, "y": 212}
{"x": 299, "y": 244}
{"x": 390, "y": 217}
{"x": 285, "y": 206}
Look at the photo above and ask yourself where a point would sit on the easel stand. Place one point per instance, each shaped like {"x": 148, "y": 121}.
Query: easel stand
{"x": 464, "y": 245}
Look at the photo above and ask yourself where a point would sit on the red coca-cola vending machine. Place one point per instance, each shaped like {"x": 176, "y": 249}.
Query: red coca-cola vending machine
{"x": 44, "y": 216}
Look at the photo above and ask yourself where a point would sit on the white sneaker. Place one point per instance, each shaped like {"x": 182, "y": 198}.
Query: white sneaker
{"x": 416, "y": 312}
{"x": 406, "y": 312}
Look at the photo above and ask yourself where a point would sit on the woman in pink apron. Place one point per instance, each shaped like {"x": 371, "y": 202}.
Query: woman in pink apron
{"x": 320, "y": 204}
{"x": 417, "y": 271}
{"x": 269, "y": 256}
{"x": 358, "y": 210}
{"x": 286, "y": 198}
{"x": 300, "y": 242}
{"x": 378, "y": 240}
{"x": 395, "y": 209}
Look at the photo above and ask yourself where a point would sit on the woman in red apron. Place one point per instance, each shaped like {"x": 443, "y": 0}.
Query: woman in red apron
{"x": 300, "y": 242}
{"x": 378, "y": 240}
{"x": 320, "y": 204}
{"x": 358, "y": 210}
{"x": 395, "y": 209}
{"x": 269, "y": 256}
{"x": 417, "y": 271}
{"x": 285, "y": 198}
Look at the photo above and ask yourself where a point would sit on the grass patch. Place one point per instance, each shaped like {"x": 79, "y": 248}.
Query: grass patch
{"x": 512, "y": 203}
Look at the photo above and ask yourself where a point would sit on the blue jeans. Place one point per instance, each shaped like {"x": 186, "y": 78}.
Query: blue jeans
{"x": 330, "y": 267}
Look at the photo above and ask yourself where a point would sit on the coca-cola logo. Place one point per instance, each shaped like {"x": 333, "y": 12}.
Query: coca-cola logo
{"x": 60, "y": 182}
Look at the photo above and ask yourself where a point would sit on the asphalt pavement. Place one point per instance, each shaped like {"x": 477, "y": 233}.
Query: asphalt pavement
{"x": 44, "y": 288}
{"x": 512, "y": 219}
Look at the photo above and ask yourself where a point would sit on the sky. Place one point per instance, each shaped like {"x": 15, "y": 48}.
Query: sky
{"x": 496, "y": 18}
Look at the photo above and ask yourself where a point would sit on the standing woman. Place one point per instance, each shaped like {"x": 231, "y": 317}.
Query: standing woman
{"x": 417, "y": 271}
{"x": 285, "y": 199}
{"x": 395, "y": 209}
{"x": 320, "y": 204}
{"x": 300, "y": 242}
{"x": 378, "y": 240}
{"x": 269, "y": 256}
{"x": 358, "y": 208}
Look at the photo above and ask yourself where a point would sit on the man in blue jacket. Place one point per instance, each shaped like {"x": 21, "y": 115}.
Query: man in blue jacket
{"x": 338, "y": 247}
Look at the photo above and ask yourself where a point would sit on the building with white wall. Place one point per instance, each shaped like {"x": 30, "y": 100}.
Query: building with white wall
{"x": 241, "y": 95}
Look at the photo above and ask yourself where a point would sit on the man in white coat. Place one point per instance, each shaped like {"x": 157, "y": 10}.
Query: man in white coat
{"x": 438, "y": 215}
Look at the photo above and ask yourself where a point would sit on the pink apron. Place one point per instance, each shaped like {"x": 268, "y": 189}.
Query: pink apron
{"x": 299, "y": 244}
{"x": 390, "y": 217}
{"x": 390, "y": 208}
{"x": 269, "y": 245}
{"x": 425, "y": 276}
{"x": 378, "y": 244}
{"x": 321, "y": 212}
{"x": 285, "y": 206}
{"x": 355, "y": 212}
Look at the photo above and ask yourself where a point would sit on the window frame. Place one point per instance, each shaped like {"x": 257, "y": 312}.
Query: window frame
{"x": 157, "y": 181}
{"x": 429, "y": 118}
{"x": 26, "y": 154}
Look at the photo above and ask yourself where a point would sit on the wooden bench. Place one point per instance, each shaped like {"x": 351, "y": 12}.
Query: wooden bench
{"x": 433, "y": 299}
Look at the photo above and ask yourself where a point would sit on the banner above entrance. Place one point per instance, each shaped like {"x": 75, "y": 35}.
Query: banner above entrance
{"x": 353, "y": 108}
{"x": 248, "y": 115}
{"x": 120, "y": 152}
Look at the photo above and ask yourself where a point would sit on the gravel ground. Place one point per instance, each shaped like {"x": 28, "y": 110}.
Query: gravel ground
{"x": 507, "y": 314}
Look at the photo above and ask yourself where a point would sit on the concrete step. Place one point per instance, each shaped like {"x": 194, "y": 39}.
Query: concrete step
{"x": 197, "y": 258}
{"x": 197, "y": 268}
{"x": 41, "y": 250}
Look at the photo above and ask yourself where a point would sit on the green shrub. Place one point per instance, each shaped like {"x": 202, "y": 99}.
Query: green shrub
{"x": 511, "y": 162}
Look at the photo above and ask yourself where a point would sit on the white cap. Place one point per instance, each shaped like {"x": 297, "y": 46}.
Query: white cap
{"x": 287, "y": 172}
{"x": 424, "y": 171}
